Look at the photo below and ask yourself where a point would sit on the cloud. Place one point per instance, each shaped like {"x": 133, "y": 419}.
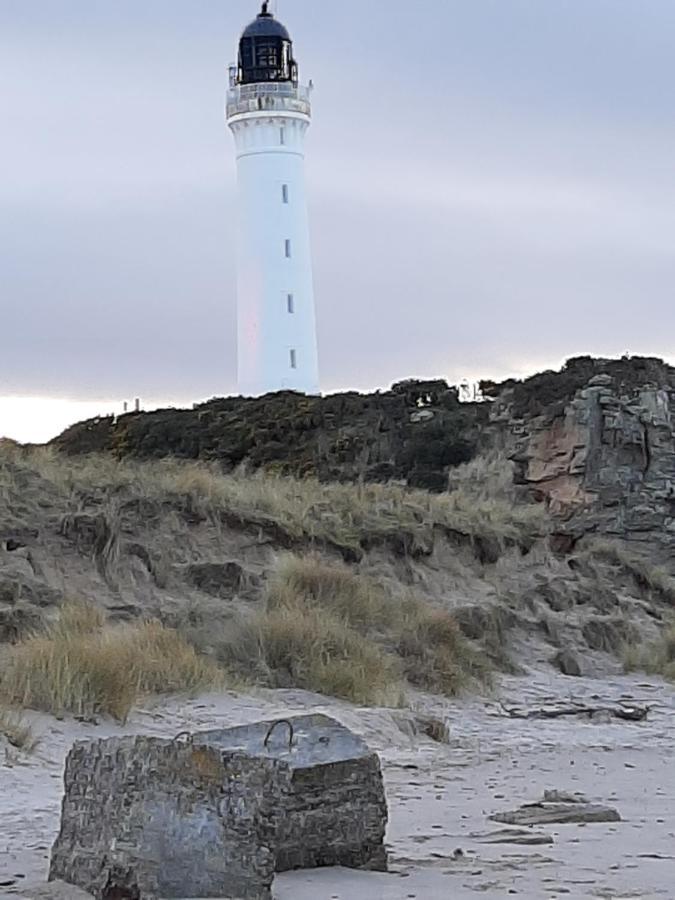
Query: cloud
{"x": 491, "y": 189}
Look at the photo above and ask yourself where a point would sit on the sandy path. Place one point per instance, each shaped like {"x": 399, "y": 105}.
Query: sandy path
{"x": 440, "y": 796}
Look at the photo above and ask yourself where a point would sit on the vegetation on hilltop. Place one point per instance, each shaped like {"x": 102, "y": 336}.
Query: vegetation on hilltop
{"x": 413, "y": 434}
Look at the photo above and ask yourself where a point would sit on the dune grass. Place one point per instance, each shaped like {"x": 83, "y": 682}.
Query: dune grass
{"x": 647, "y": 576}
{"x": 308, "y": 648}
{"x": 657, "y": 658}
{"x": 346, "y": 516}
{"x": 16, "y": 730}
{"x": 84, "y": 667}
{"x": 334, "y": 588}
{"x": 350, "y": 639}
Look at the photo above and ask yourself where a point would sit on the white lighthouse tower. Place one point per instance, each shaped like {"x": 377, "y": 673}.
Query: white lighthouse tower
{"x": 269, "y": 113}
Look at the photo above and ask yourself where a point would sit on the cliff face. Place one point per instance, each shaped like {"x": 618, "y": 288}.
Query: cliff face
{"x": 603, "y": 459}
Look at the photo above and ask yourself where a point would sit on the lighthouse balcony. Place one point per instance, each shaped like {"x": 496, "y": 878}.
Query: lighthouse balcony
{"x": 284, "y": 97}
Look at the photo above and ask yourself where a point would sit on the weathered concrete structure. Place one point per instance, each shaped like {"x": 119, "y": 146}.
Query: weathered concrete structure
{"x": 336, "y": 811}
{"x": 217, "y": 814}
{"x": 145, "y": 818}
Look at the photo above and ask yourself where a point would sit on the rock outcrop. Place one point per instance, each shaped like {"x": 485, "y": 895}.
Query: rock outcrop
{"x": 603, "y": 456}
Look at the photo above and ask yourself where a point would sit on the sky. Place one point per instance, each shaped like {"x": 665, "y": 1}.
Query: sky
{"x": 491, "y": 191}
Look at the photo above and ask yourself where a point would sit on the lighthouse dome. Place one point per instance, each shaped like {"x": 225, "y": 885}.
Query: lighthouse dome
{"x": 265, "y": 25}
{"x": 266, "y": 51}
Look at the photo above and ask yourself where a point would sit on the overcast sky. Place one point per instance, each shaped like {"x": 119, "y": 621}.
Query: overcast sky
{"x": 491, "y": 190}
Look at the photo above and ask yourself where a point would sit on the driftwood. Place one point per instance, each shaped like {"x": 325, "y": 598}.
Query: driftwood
{"x": 626, "y": 713}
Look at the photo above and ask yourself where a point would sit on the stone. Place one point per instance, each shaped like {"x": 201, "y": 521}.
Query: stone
{"x": 217, "y": 579}
{"x": 56, "y": 890}
{"x": 554, "y": 796}
{"x": 216, "y": 814}
{"x": 336, "y": 810}
{"x": 514, "y": 836}
{"x": 558, "y": 814}
{"x": 568, "y": 663}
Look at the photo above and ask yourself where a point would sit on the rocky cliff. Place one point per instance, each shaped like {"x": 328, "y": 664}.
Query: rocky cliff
{"x": 602, "y": 454}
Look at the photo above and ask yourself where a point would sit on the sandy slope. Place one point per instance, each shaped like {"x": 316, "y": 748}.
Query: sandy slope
{"x": 440, "y": 796}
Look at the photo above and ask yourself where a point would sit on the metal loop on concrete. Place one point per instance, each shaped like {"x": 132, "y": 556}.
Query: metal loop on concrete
{"x": 274, "y": 725}
{"x": 189, "y": 737}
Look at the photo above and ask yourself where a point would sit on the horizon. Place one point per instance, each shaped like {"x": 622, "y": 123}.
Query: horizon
{"x": 510, "y": 208}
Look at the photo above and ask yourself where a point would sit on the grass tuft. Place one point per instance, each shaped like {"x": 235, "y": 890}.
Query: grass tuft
{"x": 15, "y": 729}
{"x": 333, "y": 587}
{"x": 306, "y": 648}
{"x": 436, "y": 656}
{"x": 90, "y": 670}
{"x": 657, "y": 658}
{"x": 350, "y": 639}
{"x": 646, "y": 575}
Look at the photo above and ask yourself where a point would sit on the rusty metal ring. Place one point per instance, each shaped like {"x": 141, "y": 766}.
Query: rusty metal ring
{"x": 274, "y": 725}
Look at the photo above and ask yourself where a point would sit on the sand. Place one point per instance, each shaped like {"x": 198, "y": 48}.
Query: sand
{"x": 440, "y": 795}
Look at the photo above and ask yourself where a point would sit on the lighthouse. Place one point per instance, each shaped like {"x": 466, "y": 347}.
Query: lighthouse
{"x": 269, "y": 113}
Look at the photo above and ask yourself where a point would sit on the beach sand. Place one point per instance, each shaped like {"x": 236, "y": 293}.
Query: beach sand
{"x": 440, "y": 795}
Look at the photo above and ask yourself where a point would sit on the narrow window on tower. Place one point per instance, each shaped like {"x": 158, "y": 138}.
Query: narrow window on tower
{"x": 282, "y": 136}
{"x": 290, "y": 301}
{"x": 284, "y": 193}
{"x": 288, "y": 249}
{"x": 294, "y": 360}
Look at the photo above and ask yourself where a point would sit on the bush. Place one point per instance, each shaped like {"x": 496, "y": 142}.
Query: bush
{"x": 80, "y": 667}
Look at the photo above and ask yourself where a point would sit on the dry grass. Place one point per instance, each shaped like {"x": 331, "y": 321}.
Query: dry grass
{"x": 78, "y": 617}
{"x": 657, "y": 658}
{"x": 360, "y": 602}
{"x": 311, "y": 649}
{"x": 346, "y": 516}
{"x": 16, "y": 730}
{"x": 328, "y": 629}
{"x": 646, "y": 575}
{"x": 436, "y": 656}
{"x": 404, "y": 637}
{"x": 80, "y": 666}
{"x": 485, "y": 478}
